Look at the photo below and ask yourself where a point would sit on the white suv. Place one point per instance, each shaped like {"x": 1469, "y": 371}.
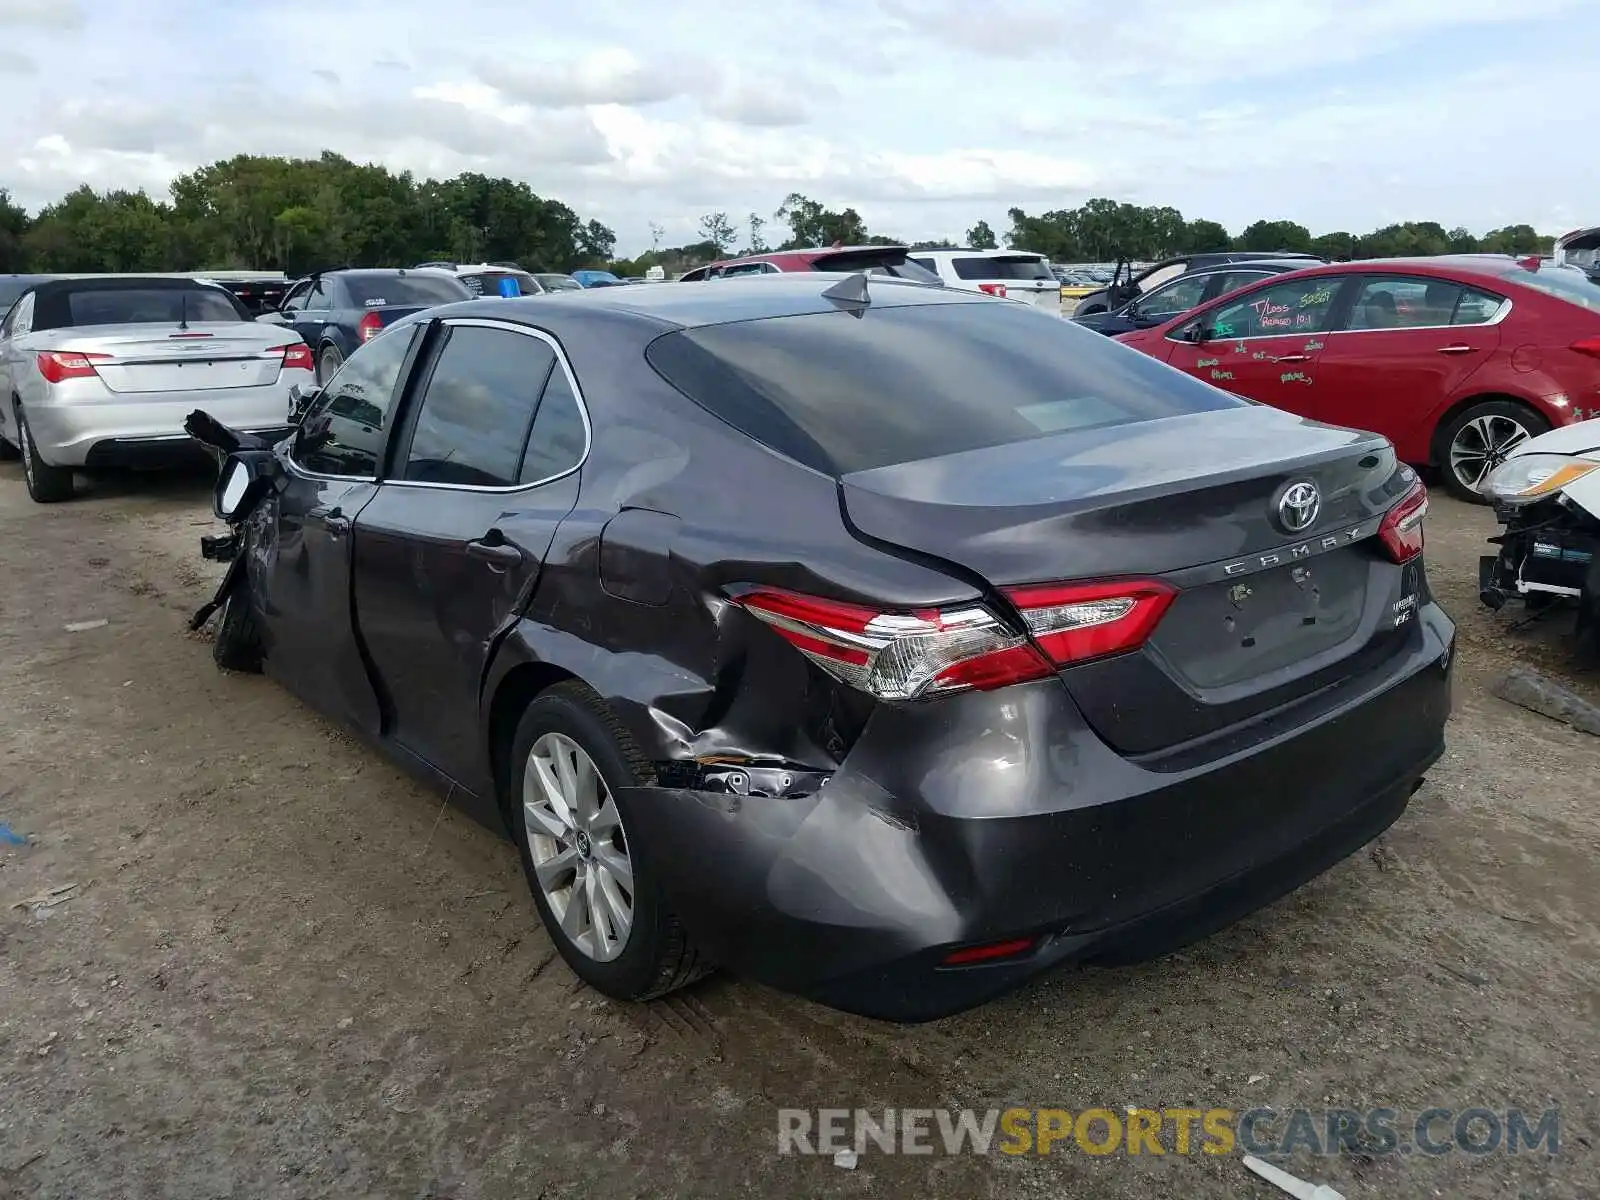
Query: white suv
{"x": 485, "y": 279}
{"x": 1014, "y": 274}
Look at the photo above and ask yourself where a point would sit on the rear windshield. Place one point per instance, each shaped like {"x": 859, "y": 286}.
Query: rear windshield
{"x": 380, "y": 291}
{"x": 1565, "y": 283}
{"x": 141, "y": 306}
{"x": 841, "y": 393}
{"x": 487, "y": 283}
{"x": 874, "y": 263}
{"x": 1001, "y": 266}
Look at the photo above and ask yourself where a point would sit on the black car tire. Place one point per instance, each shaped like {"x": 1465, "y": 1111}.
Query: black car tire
{"x": 658, "y": 957}
{"x": 237, "y": 646}
{"x": 46, "y": 484}
{"x": 1491, "y": 411}
{"x": 329, "y": 360}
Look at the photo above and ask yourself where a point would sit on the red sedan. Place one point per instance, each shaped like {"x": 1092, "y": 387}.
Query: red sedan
{"x": 1454, "y": 359}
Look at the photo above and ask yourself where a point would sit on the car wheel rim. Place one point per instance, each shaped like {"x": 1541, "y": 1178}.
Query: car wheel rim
{"x": 1481, "y": 445}
{"x": 579, "y": 851}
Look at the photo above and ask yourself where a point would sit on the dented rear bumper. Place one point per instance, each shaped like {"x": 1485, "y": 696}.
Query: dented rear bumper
{"x": 1000, "y": 815}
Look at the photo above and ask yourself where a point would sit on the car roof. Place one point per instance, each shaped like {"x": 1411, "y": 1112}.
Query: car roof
{"x": 715, "y": 302}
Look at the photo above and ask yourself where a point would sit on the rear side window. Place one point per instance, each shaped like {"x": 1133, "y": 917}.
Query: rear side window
{"x": 1000, "y": 266}
{"x": 487, "y": 283}
{"x": 477, "y": 408}
{"x": 841, "y": 393}
{"x": 380, "y": 291}
{"x": 145, "y": 306}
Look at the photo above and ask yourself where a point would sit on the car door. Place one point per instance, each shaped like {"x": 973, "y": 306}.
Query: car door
{"x": 300, "y": 566}
{"x": 1406, "y": 344}
{"x": 449, "y": 550}
{"x": 1262, "y": 344}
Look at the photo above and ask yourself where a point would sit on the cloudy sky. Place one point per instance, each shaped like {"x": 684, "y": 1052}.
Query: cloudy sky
{"x": 923, "y": 114}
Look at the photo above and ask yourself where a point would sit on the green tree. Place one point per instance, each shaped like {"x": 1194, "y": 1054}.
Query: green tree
{"x": 90, "y": 231}
{"x": 1203, "y": 237}
{"x": 812, "y": 225}
{"x": 718, "y": 230}
{"x": 758, "y": 244}
{"x": 14, "y": 225}
{"x": 981, "y": 237}
{"x": 1275, "y": 235}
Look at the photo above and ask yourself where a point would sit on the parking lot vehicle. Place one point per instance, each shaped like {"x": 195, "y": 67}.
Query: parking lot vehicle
{"x": 259, "y": 294}
{"x": 1128, "y": 283}
{"x": 596, "y": 278}
{"x": 886, "y": 675}
{"x": 99, "y": 372}
{"x": 487, "y": 279}
{"x": 1455, "y": 359}
{"x": 1187, "y": 291}
{"x": 1014, "y": 274}
{"x": 878, "y": 260}
{"x": 1546, "y": 497}
{"x": 552, "y": 281}
{"x": 336, "y": 311}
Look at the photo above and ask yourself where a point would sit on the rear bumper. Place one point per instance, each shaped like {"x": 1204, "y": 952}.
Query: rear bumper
{"x": 1000, "y": 815}
{"x": 147, "y": 429}
{"x": 161, "y": 453}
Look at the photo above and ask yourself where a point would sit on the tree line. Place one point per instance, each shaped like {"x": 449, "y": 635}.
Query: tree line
{"x": 297, "y": 215}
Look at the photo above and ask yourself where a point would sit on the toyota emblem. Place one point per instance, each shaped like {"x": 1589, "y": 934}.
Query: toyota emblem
{"x": 1299, "y": 506}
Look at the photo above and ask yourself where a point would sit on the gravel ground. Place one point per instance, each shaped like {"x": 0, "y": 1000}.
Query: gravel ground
{"x": 285, "y": 970}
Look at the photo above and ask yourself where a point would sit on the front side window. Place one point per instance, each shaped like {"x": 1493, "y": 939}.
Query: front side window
{"x": 296, "y": 299}
{"x": 318, "y": 296}
{"x": 1177, "y": 297}
{"x": 19, "y": 320}
{"x": 558, "y": 439}
{"x": 344, "y": 430}
{"x": 480, "y": 400}
{"x": 1161, "y": 275}
{"x": 1282, "y": 309}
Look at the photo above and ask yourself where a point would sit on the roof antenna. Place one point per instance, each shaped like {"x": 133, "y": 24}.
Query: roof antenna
{"x": 851, "y": 294}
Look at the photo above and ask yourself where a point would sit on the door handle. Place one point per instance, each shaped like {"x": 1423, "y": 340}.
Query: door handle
{"x": 1456, "y": 349}
{"x": 1292, "y": 357}
{"x": 493, "y": 549}
{"x": 333, "y": 519}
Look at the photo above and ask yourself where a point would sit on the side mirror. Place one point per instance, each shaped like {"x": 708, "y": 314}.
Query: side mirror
{"x": 300, "y": 400}
{"x": 244, "y": 476}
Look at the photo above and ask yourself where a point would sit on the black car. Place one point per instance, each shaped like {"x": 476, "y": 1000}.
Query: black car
{"x": 337, "y": 311}
{"x": 1126, "y": 286}
{"x": 1195, "y": 287}
{"x": 887, "y": 644}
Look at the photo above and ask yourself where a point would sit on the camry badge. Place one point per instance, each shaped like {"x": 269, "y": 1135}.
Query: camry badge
{"x": 1298, "y": 506}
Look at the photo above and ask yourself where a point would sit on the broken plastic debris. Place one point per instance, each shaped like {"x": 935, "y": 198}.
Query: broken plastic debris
{"x": 846, "y": 1159}
{"x": 1298, "y": 1188}
{"x": 1255, "y": 1079}
{"x": 50, "y": 899}
{"x": 80, "y": 626}
{"x": 9, "y": 837}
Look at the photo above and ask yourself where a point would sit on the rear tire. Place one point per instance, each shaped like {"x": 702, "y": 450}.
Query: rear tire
{"x": 328, "y": 363}
{"x": 46, "y": 484}
{"x": 654, "y": 955}
{"x": 1476, "y": 441}
{"x": 238, "y": 643}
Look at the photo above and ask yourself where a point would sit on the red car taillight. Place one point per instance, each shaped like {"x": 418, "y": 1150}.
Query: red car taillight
{"x": 993, "y": 289}
{"x": 296, "y": 357}
{"x": 928, "y": 652}
{"x": 1401, "y": 529}
{"x": 59, "y": 365}
{"x": 369, "y": 327}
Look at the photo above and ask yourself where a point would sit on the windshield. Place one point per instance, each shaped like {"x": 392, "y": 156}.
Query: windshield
{"x": 1001, "y": 266}
{"x": 842, "y": 394}
{"x": 560, "y": 283}
{"x": 383, "y": 290}
{"x": 1564, "y": 283}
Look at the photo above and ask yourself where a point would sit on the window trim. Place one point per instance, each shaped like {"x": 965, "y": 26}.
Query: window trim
{"x": 1501, "y": 313}
{"x": 408, "y": 366}
{"x": 572, "y": 382}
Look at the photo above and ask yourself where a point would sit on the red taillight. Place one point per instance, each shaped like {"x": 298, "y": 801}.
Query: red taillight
{"x": 987, "y": 952}
{"x": 369, "y": 327}
{"x": 1075, "y": 621}
{"x": 296, "y": 357}
{"x": 908, "y": 656}
{"x": 1589, "y": 345}
{"x": 993, "y": 289}
{"x": 59, "y": 365}
{"x": 1401, "y": 529}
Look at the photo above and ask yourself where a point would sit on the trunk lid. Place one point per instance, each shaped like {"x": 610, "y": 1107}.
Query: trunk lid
{"x": 165, "y": 358}
{"x": 1263, "y": 615}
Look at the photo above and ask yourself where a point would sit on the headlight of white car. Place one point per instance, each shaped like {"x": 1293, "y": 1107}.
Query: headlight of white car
{"x": 1532, "y": 477}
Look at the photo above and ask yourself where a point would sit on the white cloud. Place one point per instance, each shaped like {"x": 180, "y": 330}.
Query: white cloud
{"x": 924, "y": 115}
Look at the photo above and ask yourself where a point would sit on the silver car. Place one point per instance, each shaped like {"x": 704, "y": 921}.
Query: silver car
{"x": 101, "y": 372}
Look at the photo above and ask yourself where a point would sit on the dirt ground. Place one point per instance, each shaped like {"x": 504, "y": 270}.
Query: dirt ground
{"x": 286, "y": 971}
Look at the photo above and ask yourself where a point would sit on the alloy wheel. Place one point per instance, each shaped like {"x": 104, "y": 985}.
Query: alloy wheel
{"x": 1481, "y": 445}
{"x": 579, "y": 850}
